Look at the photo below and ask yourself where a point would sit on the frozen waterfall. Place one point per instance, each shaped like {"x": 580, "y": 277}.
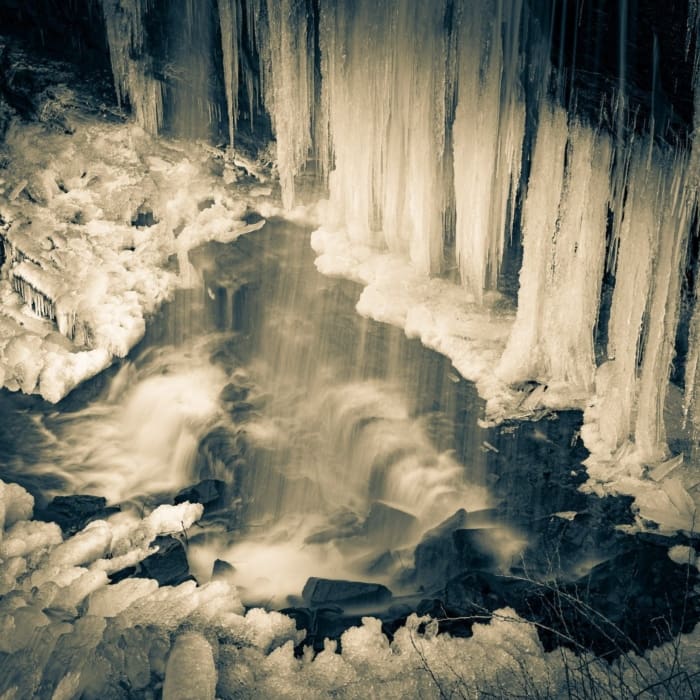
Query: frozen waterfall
{"x": 452, "y": 133}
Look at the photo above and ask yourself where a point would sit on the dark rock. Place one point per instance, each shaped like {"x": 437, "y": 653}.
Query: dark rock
{"x": 562, "y": 544}
{"x": 73, "y": 513}
{"x": 478, "y": 593}
{"x": 322, "y": 592}
{"x": 328, "y": 622}
{"x": 222, "y": 570}
{"x": 143, "y": 217}
{"x": 450, "y": 548}
{"x": 120, "y": 575}
{"x": 455, "y": 622}
{"x": 234, "y": 393}
{"x": 640, "y": 598}
{"x": 168, "y": 565}
{"x": 381, "y": 565}
{"x": 210, "y": 493}
{"x": 389, "y": 525}
{"x": 241, "y": 410}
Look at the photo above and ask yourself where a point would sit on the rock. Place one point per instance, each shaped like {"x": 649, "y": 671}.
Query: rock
{"x": 322, "y": 592}
{"x": 383, "y": 565}
{"x": 222, "y": 570}
{"x": 73, "y": 513}
{"x": 210, "y": 493}
{"x": 450, "y": 548}
{"x": 168, "y": 565}
{"x": 143, "y": 217}
{"x": 478, "y": 593}
{"x": 328, "y": 622}
{"x": 234, "y": 393}
{"x": 389, "y": 525}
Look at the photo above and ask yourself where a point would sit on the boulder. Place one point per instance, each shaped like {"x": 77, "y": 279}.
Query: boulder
{"x": 222, "y": 570}
{"x": 389, "y": 525}
{"x": 73, "y": 513}
{"x": 168, "y": 565}
{"x": 320, "y": 592}
{"x": 210, "y": 493}
{"x": 451, "y": 548}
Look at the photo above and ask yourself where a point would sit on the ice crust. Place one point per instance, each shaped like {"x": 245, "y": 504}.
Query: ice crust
{"x": 81, "y": 276}
{"x": 66, "y": 632}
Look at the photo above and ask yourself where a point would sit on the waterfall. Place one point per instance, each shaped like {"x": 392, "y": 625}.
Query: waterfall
{"x": 452, "y": 133}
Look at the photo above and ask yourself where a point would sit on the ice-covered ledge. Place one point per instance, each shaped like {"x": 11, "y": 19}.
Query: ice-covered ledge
{"x": 89, "y": 222}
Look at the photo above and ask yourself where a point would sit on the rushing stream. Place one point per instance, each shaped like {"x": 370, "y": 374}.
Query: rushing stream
{"x": 340, "y": 441}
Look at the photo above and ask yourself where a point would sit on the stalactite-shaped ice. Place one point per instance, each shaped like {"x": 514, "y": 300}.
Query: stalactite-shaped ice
{"x": 124, "y": 21}
{"x": 521, "y": 359}
{"x": 229, "y": 19}
{"x": 674, "y": 218}
{"x": 635, "y": 240}
{"x": 385, "y": 90}
{"x": 564, "y": 226}
{"x": 284, "y": 41}
{"x": 488, "y": 136}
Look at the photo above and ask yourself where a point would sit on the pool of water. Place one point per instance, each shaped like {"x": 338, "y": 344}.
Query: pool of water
{"x": 338, "y": 443}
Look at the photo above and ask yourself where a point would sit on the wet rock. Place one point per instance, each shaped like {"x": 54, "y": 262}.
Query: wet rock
{"x": 210, "y": 493}
{"x": 389, "y": 525}
{"x": 640, "y": 597}
{"x": 382, "y": 565}
{"x": 168, "y": 565}
{"x": 234, "y": 393}
{"x": 450, "y": 548}
{"x": 450, "y": 620}
{"x": 219, "y": 452}
{"x": 564, "y": 542}
{"x": 143, "y": 217}
{"x": 73, "y": 513}
{"x": 322, "y": 592}
{"x": 328, "y": 622}
{"x": 222, "y": 570}
{"x": 478, "y": 593}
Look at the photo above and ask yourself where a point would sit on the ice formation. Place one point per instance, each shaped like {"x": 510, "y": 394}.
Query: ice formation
{"x": 90, "y": 220}
{"x": 67, "y": 632}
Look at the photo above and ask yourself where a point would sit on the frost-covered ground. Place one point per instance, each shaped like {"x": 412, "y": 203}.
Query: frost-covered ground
{"x": 92, "y": 222}
{"x": 66, "y": 632}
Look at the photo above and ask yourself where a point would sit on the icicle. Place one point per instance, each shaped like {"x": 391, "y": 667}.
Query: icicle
{"x": 384, "y": 78}
{"x": 488, "y": 136}
{"x": 521, "y": 359}
{"x": 635, "y": 238}
{"x": 282, "y": 33}
{"x": 673, "y": 228}
{"x": 564, "y": 224}
{"x": 229, "y": 13}
{"x": 124, "y": 20}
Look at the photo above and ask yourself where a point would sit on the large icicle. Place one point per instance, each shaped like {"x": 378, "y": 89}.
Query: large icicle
{"x": 674, "y": 217}
{"x": 229, "y": 18}
{"x": 564, "y": 226}
{"x": 283, "y": 37}
{"x": 636, "y": 242}
{"x": 124, "y": 20}
{"x": 384, "y": 73}
{"x": 488, "y": 136}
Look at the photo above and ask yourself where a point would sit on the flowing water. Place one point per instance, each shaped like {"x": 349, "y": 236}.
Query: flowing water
{"x": 338, "y": 439}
